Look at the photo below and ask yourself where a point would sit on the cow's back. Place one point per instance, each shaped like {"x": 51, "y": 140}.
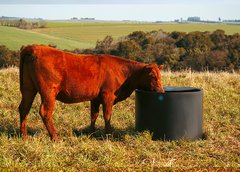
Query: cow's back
{"x": 74, "y": 78}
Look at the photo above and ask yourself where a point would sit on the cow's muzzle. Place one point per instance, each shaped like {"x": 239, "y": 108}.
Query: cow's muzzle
{"x": 160, "y": 90}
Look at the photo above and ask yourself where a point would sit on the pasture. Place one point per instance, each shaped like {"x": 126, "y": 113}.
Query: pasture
{"x": 126, "y": 149}
{"x": 14, "y": 38}
{"x": 70, "y": 35}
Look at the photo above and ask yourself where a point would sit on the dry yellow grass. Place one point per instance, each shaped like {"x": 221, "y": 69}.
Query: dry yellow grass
{"x": 126, "y": 149}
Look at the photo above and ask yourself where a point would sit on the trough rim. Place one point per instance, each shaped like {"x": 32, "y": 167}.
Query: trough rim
{"x": 188, "y": 90}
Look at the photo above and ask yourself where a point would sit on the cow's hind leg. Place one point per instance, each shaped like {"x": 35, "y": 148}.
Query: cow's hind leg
{"x": 24, "y": 108}
{"x": 46, "y": 111}
{"x": 94, "y": 113}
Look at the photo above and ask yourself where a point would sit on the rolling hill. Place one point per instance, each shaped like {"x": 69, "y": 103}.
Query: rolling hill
{"x": 14, "y": 38}
{"x": 70, "y": 35}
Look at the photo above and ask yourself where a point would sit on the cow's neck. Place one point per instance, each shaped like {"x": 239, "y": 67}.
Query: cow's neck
{"x": 132, "y": 82}
{"x": 136, "y": 77}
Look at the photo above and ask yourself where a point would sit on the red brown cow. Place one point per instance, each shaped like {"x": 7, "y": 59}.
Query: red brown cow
{"x": 71, "y": 78}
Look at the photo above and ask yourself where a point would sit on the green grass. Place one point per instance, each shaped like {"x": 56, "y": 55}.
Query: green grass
{"x": 14, "y": 38}
{"x": 91, "y": 32}
{"x": 126, "y": 149}
{"x": 70, "y": 35}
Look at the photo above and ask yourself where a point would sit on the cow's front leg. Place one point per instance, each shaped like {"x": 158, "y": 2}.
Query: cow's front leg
{"x": 108, "y": 101}
{"x": 94, "y": 113}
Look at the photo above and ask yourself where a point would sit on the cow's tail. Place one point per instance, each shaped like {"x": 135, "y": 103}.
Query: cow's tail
{"x": 22, "y": 54}
{"x": 25, "y": 53}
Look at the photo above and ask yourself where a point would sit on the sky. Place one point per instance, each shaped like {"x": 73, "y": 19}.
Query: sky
{"x": 141, "y": 10}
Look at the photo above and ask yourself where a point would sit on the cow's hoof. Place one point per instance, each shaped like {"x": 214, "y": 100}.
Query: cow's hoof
{"x": 91, "y": 130}
{"x": 55, "y": 139}
{"x": 108, "y": 131}
{"x": 25, "y": 137}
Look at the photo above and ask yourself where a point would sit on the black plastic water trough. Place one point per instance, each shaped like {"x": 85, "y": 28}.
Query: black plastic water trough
{"x": 175, "y": 114}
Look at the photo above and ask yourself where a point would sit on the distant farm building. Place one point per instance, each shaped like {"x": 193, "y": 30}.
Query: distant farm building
{"x": 194, "y": 19}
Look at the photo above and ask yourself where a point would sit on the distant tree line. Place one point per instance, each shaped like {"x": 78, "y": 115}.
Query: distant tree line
{"x": 8, "y": 57}
{"x": 177, "y": 50}
{"x": 232, "y": 21}
{"x": 23, "y": 24}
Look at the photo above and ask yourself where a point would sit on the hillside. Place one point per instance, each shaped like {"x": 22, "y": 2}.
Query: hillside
{"x": 126, "y": 149}
{"x": 71, "y": 35}
{"x": 14, "y": 38}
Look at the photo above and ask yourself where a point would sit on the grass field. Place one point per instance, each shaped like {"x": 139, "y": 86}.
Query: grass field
{"x": 14, "y": 38}
{"x": 70, "y": 35}
{"x": 126, "y": 149}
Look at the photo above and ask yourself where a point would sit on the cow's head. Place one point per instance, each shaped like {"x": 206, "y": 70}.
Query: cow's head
{"x": 151, "y": 78}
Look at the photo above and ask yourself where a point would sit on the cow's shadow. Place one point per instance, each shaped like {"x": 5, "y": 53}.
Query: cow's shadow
{"x": 99, "y": 134}
{"x": 13, "y": 131}
{"x": 117, "y": 135}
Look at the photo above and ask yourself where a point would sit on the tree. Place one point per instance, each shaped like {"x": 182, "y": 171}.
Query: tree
{"x": 177, "y": 35}
{"x": 139, "y": 37}
{"x": 105, "y": 46}
{"x": 219, "y": 39}
{"x": 8, "y": 57}
{"x": 197, "y": 46}
{"x": 217, "y": 60}
{"x": 130, "y": 50}
{"x": 5, "y": 56}
{"x": 169, "y": 55}
{"x": 177, "y": 50}
{"x": 234, "y": 52}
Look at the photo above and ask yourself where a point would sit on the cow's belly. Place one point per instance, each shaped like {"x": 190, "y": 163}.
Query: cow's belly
{"x": 75, "y": 97}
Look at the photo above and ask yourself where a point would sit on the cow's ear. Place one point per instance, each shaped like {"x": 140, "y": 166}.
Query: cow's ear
{"x": 161, "y": 67}
{"x": 149, "y": 67}
{"x": 22, "y": 47}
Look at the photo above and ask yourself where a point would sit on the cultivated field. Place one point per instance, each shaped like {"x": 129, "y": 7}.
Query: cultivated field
{"x": 70, "y": 35}
{"x": 126, "y": 149}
